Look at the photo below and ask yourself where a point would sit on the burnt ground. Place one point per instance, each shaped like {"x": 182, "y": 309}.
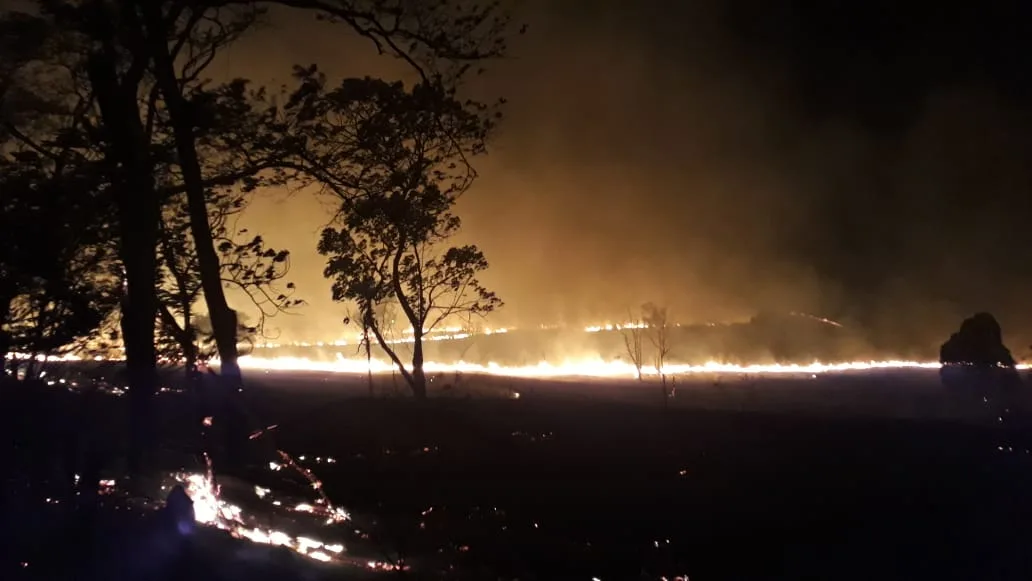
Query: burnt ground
{"x": 744, "y": 480}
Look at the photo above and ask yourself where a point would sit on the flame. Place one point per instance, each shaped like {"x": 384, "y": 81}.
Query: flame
{"x": 594, "y": 368}
{"x": 437, "y": 334}
{"x": 586, "y": 367}
{"x": 210, "y": 509}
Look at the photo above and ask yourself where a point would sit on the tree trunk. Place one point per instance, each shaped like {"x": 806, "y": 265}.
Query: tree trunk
{"x": 369, "y": 361}
{"x": 30, "y": 367}
{"x": 223, "y": 318}
{"x": 418, "y": 374}
{"x": 138, "y": 310}
{"x": 190, "y": 362}
{"x": 138, "y": 215}
{"x": 189, "y": 344}
{"x": 190, "y": 357}
{"x": 5, "y": 338}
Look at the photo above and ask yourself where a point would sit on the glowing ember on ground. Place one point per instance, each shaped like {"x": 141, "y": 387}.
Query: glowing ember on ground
{"x": 212, "y": 510}
{"x": 585, "y": 368}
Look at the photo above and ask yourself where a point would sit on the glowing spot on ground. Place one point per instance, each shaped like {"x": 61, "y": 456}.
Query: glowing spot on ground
{"x": 211, "y": 509}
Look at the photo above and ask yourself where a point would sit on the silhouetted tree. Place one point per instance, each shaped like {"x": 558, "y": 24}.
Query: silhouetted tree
{"x": 365, "y": 322}
{"x": 429, "y": 285}
{"x": 471, "y": 329}
{"x": 63, "y": 292}
{"x": 657, "y": 328}
{"x": 135, "y": 69}
{"x": 408, "y": 167}
{"x": 247, "y": 334}
{"x": 93, "y": 61}
{"x": 633, "y": 337}
{"x": 385, "y": 314}
{"x": 58, "y": 267}
{"x": 440, "y": 40}
{"x": 246, "y": 265}
{"x": 179, "y": 289}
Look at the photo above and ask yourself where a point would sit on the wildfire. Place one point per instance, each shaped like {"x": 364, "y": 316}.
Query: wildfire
{"x": 586, "y": 367}
{"x": 211, "y": 509}
{"x": 596, "y": 368}
{"x": 438, "y": 334}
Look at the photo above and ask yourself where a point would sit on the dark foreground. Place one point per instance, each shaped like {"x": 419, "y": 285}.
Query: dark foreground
{"x": 560, "y": 485}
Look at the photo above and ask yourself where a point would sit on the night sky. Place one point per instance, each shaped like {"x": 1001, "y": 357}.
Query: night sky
{"x": 862, "y": 160}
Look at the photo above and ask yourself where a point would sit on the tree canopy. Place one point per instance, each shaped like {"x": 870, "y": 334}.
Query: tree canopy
{"x": 111, "y": 102}
{"x": 408, "y": 163}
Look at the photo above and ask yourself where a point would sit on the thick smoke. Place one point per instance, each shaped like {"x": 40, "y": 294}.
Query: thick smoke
{"x": 654, "y": 152}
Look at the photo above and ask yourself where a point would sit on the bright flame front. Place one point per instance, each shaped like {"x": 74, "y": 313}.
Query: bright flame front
{"x": 596, "y": 368}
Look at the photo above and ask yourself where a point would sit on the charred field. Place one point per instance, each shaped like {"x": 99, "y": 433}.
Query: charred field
{"x": 734, "y": 478}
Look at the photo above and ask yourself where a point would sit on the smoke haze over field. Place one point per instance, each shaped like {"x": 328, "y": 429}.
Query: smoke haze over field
{"x": 725, "y": 158}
